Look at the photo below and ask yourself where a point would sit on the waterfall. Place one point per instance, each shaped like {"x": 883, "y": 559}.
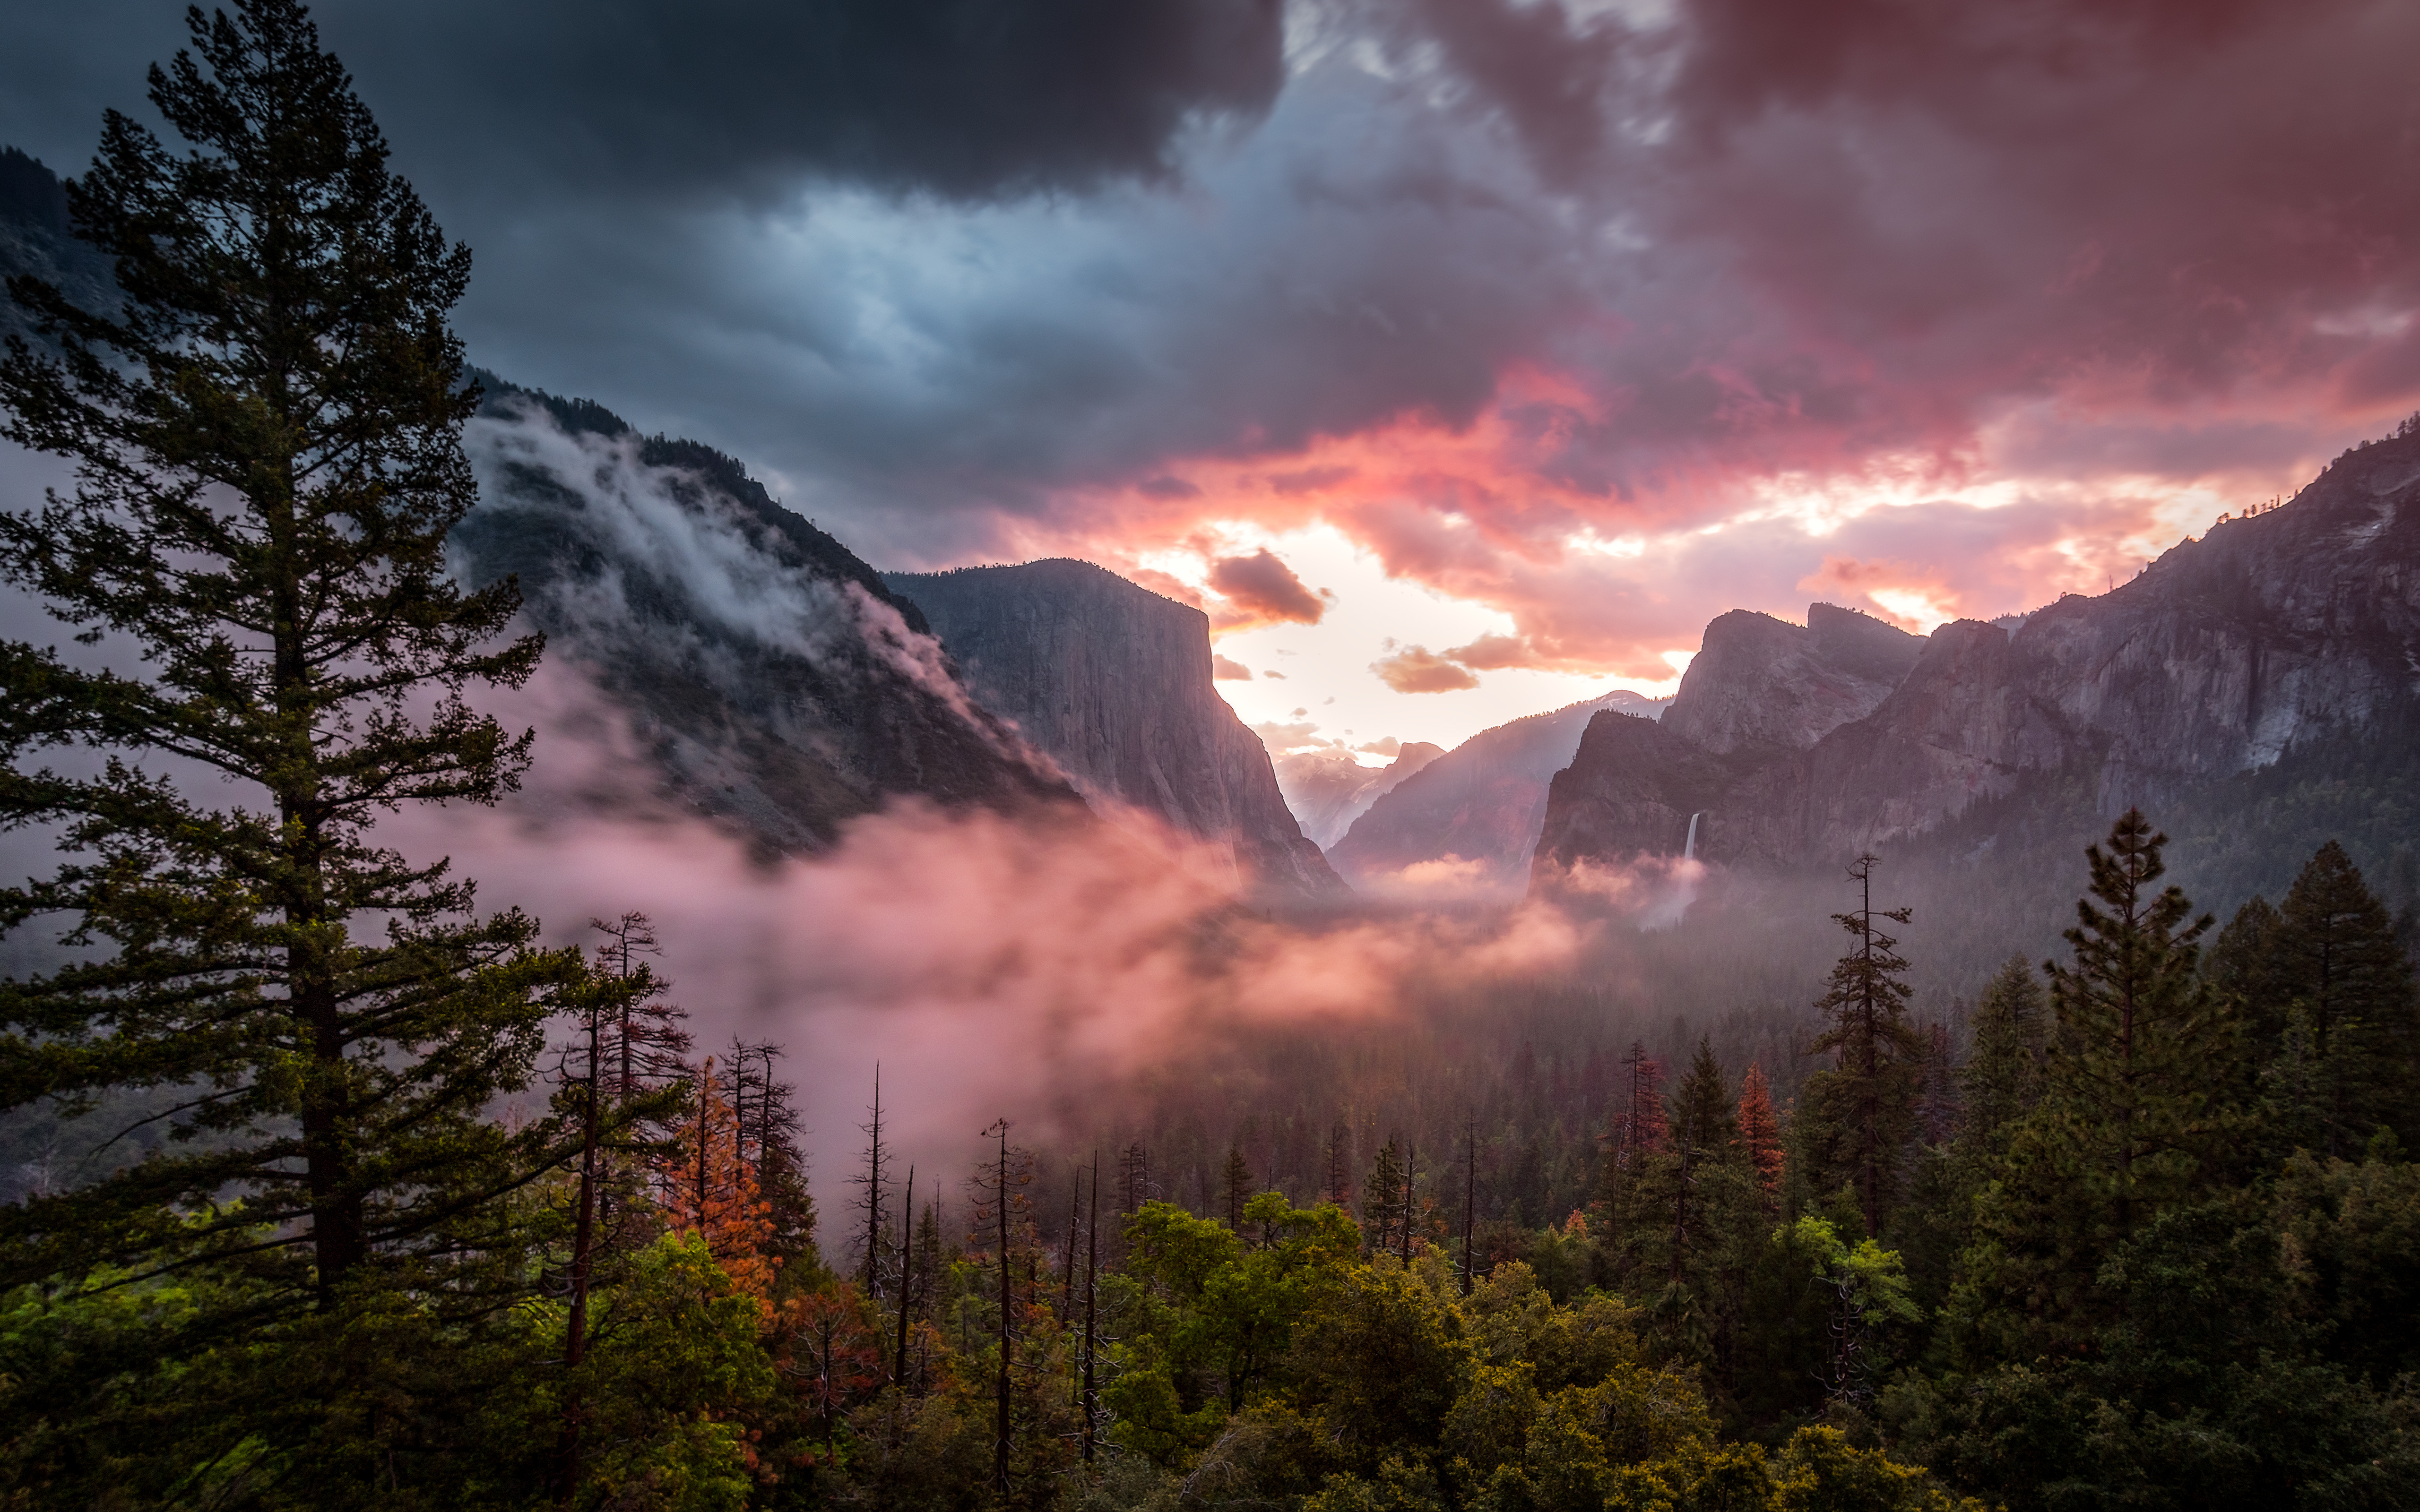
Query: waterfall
{"x": 1689, "y": 850}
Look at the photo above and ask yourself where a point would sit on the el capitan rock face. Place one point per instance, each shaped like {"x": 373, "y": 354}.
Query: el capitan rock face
{"x": 1470, "y": 816}
{"x": 2289, "y": 631}
{"x": 1112, "y": 682}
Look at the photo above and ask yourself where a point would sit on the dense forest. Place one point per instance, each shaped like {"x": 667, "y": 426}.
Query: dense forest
{"x": 2140, "y": 1228}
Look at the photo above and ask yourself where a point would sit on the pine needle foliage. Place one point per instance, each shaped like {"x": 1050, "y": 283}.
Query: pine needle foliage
{"x": 266, "y": 439}
{"x": 1862, "y": 1107}
{"x": 2136, "y": 1027}
{"x": 2334, "y": 955}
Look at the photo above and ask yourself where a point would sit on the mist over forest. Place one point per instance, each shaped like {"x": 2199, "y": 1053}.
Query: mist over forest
{"x": 736, "y": 876}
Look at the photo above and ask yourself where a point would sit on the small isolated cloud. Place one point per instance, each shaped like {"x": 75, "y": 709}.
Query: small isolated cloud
{"x": 1274, "y": 673}
{"x": 1282, "y": 738}
{"x": 1495, "y": 653}
{"x": 1228, "y": 670}
{"x": 1419, "y": 669}
{"x": 1264, "y": 590}
{"x": 1384, "y": 746}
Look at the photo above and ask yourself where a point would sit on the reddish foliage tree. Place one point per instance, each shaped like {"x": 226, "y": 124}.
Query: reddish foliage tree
{"x": 829, "y": 1348}
{"x": 710, "y": 1187}
{"x": 1759, "y": 1136}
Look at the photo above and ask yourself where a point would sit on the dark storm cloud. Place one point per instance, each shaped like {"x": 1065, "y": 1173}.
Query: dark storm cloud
{"x": 1265, "y": 589}
{"x": 645, "y": 99}
{"x": 1749, "y": 240}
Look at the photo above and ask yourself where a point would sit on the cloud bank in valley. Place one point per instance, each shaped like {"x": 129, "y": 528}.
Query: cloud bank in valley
{"x": 1027, "y": 967}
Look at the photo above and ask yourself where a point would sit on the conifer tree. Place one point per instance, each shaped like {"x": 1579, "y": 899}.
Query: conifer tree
{"x": 1384, "y": 1195}
{"x": 1135, "y": 1186}
{"x": 2130, "y": 1115}
{"x": 872, "y": 1206}
{"x": 2333, "y": 953}
{"x": 1861, "y": 1109}
{"x": 2001, "y": 1080}
{"x": 1703, "y": 1110}
{"x": 2238, "y": 964}
{"x": 2138, "y": 1034}
{"x": 1638, "y": 1126}
{"x": 1759, "y": 1137}
{"x": 1002, "y": 1210}
{"x": 584, "y": 1072}
{"x": 1700, "y": 1136}
{"x": 646, "y": 1047}
{"x": 1236, "y": 1182}
{"x": 710, "y": 1189}
{"x": 266, "y": 437}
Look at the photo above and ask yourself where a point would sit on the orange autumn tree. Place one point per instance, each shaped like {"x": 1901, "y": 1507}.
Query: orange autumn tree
{"x": 709, "y": 1187}
{"x": 828, "y": 1348}
{"x": 1759, "y": 1136}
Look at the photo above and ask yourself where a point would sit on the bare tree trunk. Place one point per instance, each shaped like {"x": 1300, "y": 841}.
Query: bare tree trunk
{"x": 907, "y": 1274}
{"x": 1092, "y": 1286}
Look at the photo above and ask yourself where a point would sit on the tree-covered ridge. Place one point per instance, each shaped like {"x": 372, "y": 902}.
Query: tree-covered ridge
{"x": 800, "y": 539}
{"x": 2152, "y": 1242}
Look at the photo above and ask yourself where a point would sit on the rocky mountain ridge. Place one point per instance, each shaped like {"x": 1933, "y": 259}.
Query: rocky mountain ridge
{"x": 772, "y": 680}
{"x": 2292, "y": 630}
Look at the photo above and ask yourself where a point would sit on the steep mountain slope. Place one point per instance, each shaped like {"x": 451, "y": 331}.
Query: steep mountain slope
{"x": 1470, "y": 816}
{"x": 1328, "y": 789}
{"x": 1112, "y": 682}
{"x": 35, "y": 242}
{"x": 1760, "y": 686}
{"x": 2294, "y": 632}
{"x": 774, "y": 681}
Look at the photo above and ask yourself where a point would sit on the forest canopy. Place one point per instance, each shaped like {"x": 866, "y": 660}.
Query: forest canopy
{"x": 2143, "y": 1232}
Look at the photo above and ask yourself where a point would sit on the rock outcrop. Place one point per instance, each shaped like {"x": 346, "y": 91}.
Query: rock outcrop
{"x": 774, "y": 681}
{"x": 1761, "y": 685}
{"x": 38, "y": 242}
{"x": 1469, "y": 818}
{"x": 1112, "y": 682}
{"x": 2287, "y": 631}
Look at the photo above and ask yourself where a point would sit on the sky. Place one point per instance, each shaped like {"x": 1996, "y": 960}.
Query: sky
{"x": 1461, "y": 358}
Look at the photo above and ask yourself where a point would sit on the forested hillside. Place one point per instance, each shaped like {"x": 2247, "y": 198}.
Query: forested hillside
{"x": 384, "y": 1198}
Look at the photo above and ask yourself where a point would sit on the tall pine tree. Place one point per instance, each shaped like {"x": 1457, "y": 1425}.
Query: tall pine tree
{"x": 2333, "y": 954}
{"x": 266, "y": 438}
{"x": 1861, "y": 1109}
{"x": 2139, "y": 1032}
{"x": 2001, "y": 1080}
{"x": 2130, "y": 1117}
{"x": 1757, "y": 1137}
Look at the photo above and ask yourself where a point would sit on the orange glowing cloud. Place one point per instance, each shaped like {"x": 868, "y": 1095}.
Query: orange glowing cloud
{"x": 1601, "y": 577}
{"x": 1419, "y": 669}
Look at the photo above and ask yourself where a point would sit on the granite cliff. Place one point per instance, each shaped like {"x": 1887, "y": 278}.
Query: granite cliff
{"x": 2294, "y": 633}
{"x": 772, "y": 679}
{"x": 1112, "y": 682}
